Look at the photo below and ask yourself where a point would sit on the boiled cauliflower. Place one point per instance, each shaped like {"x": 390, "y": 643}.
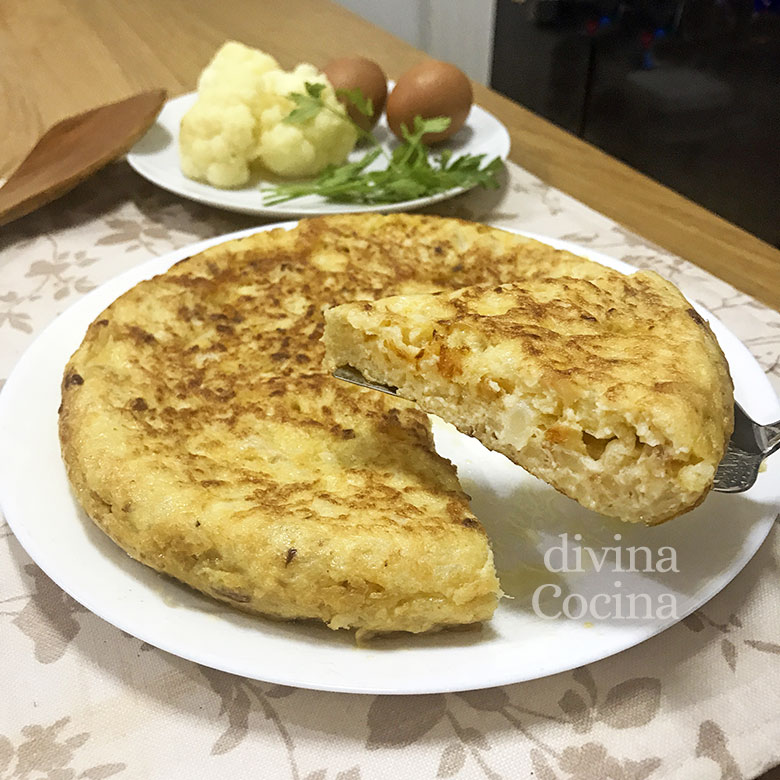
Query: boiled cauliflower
{"x": 217, "y": 142}
{"x": 301, "y": 149}
{"x": 237, "y": 121}
{"x": 235, "y": 70}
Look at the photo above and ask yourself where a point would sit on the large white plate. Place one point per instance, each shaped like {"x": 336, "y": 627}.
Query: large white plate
{"x": 522, "y": 516}
{"x": 156, "y": 157}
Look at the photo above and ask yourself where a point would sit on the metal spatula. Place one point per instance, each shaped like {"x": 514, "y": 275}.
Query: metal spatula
{"x": 749, "y": 446}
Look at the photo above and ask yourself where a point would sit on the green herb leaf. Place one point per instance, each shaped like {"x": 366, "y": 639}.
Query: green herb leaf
{"x": 307, "y": 105}
{"x": 306, "y": 108}
{"x": 355, "y": 96}
{"x": 314, "y": 90}
{"x": 436, "y": 124}
{"x": 411, "y": 172}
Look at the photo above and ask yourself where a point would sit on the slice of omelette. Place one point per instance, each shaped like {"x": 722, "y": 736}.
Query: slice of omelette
{"x": 201, "y": 433}
{"x": 611, "y": 388}
{"x": 297, "y": 497}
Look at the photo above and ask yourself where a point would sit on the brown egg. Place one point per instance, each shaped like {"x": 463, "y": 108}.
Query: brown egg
{"x": 368, "y": 77}
{"x": 431, "y": 88}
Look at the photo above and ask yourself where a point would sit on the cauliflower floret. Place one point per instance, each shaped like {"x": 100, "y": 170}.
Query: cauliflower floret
{"x": 238, "y": 120}
{"x": 301, "y": 149}
{"x": 218, "y": 137}
{"x": 236, "y": 70}
{"x": 217, "y": 141}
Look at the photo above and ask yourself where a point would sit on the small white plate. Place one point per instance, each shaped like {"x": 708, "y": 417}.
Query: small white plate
{"x": 156, "y": 157}
{"x": 523, "y": 517}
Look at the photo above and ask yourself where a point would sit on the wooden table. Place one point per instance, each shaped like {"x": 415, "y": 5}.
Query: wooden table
{"x": 59, "y": 57}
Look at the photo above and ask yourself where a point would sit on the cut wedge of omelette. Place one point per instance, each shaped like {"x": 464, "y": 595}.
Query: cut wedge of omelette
{"x": 609, "y": 387}
{"x": 202, "y": 434}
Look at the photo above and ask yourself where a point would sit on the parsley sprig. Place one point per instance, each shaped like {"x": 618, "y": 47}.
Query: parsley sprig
{"x": 411, "y": 171}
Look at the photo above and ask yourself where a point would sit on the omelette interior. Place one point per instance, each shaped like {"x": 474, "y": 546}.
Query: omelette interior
{"x": 612, "y": 389}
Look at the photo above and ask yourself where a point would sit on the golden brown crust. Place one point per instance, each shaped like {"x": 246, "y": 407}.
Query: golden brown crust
{"x": 574, "y": 378}
{"x": 332, "y": 495}
{"x": 200, "y": 433}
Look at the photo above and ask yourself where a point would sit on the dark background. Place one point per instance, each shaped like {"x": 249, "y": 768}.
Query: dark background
{"x": 686, "y": 91}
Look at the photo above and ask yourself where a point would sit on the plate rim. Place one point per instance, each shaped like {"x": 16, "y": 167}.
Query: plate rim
{"x": 157, "y": 264}
{"x": 286, "y": 211}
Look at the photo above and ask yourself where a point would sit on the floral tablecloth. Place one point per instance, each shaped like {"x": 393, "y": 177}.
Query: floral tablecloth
{"x": 82, "y": 699}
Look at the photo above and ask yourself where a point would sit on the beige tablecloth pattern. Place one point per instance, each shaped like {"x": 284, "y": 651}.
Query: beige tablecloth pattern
{"x": 81, "y": 699}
